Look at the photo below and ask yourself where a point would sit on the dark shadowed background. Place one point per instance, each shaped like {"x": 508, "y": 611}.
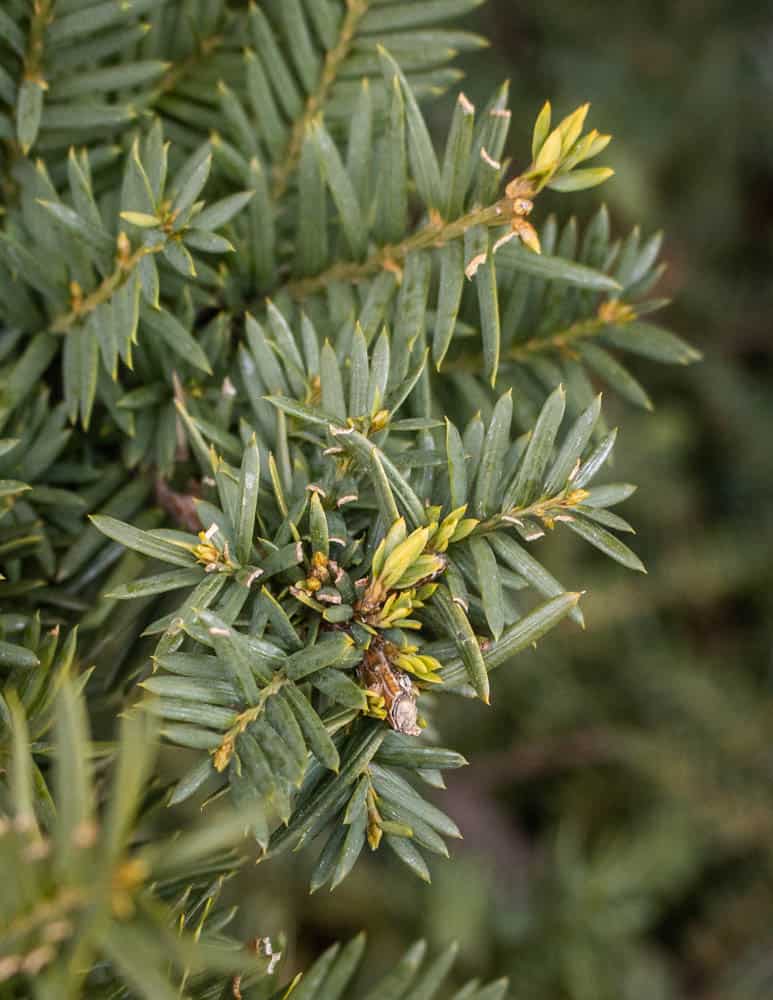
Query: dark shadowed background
{"x": 618, "y": 811}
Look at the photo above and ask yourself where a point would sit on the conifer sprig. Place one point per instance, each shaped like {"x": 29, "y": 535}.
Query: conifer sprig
{"x": 322, "y": 388}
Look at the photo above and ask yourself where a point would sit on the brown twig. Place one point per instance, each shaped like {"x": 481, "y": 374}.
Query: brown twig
{"x": 285, "y": 168}
{"x": 181, "y": 507}
{"x": 103, "y": 292}
{"x": 391, "y": 257}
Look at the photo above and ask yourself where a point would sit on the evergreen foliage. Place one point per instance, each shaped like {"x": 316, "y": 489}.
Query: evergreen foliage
{"x": 319, "y": 388}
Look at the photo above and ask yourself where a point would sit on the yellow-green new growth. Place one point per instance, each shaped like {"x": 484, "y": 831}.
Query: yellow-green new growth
{"x": 423, "y": 667}
{"x": 556, "y": 153}
{"x": 453, "y": 528}
{"x": 400, "y": 561}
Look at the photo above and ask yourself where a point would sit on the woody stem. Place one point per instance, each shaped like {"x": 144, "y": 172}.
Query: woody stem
{"x": 435, "y": 233}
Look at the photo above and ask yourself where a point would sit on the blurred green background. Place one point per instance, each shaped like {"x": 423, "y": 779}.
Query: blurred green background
{"x": 618, "y": 810}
